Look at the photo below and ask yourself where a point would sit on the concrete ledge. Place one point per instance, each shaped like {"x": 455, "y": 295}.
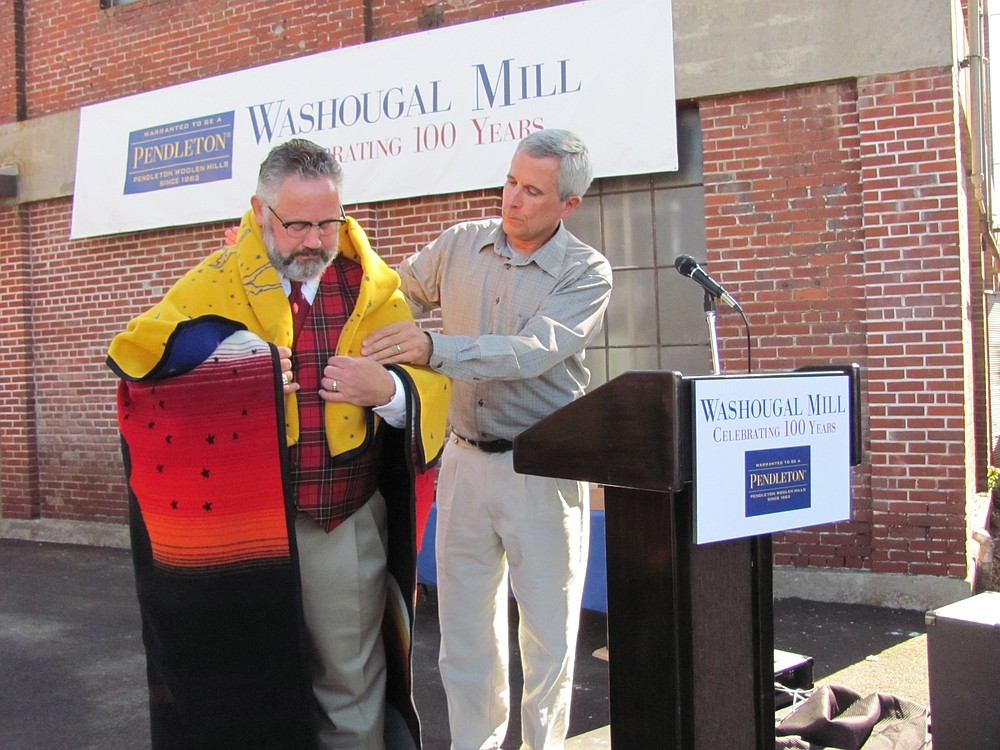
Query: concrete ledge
{"x": 86, "y": 533}
{"x": 921, "y": 593}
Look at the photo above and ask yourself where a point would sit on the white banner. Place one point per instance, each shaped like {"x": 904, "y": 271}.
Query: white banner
{"x": 772, "y": 453}
{"x": 425, "y": 114}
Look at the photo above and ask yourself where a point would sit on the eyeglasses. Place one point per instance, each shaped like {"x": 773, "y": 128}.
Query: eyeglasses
{"x": 301, "y": 228}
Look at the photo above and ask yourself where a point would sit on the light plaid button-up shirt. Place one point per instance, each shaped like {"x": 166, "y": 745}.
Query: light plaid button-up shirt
{"x": 514, "y": 327}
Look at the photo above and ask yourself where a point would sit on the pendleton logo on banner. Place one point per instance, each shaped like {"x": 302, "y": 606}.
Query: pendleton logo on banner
{"x": 180, "y": 153}
{"x": 433, "y": 113}
{"x": 778, "y": 479}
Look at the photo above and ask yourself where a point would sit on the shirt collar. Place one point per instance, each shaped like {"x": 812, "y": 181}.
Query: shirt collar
{"x": 309, "y": 288}
{"x": 548, "y": 257}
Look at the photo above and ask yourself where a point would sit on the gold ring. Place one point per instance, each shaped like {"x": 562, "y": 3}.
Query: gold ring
{"x": 334, "y": 385}
{"x": 399, "y": 349}
{"x": 286, "y": 378}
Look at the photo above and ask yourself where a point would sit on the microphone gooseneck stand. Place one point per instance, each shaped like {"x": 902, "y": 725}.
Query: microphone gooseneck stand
{"x": 713, "y": 336}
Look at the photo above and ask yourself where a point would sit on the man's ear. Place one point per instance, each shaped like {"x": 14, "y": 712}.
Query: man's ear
{"x": 259, "y": 208}
{"x": 570, "y": 204}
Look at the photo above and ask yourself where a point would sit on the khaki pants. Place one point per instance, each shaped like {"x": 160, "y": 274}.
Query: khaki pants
{"x": 494, "y": 525}
{"x": 343, "y": 595}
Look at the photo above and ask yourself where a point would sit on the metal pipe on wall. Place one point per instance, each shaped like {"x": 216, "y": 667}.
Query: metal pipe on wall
{"x": 979, "y": 103}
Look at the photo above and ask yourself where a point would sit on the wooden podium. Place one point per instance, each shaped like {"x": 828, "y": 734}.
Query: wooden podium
{"x": 690, "y": 628}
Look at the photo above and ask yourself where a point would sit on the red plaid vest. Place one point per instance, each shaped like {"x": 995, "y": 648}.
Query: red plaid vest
{"x": 329, "y": 492}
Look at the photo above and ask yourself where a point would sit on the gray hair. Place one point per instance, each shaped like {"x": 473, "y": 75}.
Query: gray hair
{"x": 575, "y": 170}
{"x": 300, "y": 157}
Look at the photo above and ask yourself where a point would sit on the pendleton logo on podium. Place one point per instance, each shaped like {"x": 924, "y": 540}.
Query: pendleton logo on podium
{"x": 778, "y": 480}
{"x": 189, "y": 152}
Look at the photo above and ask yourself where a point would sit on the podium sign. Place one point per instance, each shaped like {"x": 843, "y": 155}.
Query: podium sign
{"x": 771, "y": 453}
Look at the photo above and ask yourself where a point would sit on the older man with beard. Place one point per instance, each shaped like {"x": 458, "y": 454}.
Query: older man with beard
{"x": 302, "y": 287}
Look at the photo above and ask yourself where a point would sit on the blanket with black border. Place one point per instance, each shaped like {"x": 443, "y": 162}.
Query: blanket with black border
{"x": 173, "y": 349}
{"x": 215, "y": 557}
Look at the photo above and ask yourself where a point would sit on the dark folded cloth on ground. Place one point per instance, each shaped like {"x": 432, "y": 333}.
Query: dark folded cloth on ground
{"x": 837, "y": 717}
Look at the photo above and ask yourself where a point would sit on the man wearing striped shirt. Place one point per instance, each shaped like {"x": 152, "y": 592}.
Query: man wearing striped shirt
{"x": 520, "y": 299}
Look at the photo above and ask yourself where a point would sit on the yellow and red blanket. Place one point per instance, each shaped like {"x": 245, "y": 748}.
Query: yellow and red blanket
{"x": 204, "y": 429}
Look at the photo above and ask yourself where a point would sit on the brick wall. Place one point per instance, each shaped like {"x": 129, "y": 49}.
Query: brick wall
{"x": 59, "y": 436}
{"x": 58, "y": 386}
{"x": 10, "y": 21}
{"x": 838, "y": 213}
{"x": 784, "y": 209}
{"x": 151, "y": 44}
{"x": 391, "y": 19}
{"x": 918, "y": 325}
{"x": 397, "y": 228}
{"x": 59, "y": 445}
{"x": 18, "y": 431}
{"x": 87, "y": 291}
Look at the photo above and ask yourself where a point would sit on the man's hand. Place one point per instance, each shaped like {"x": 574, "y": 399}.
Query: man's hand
{"x": 398, "y": 343}
{"x": 287, "y": 376}
{"x": 356, "y": 380}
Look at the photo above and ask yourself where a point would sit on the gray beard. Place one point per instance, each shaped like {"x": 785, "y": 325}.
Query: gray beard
{"x": 302, "y": 268}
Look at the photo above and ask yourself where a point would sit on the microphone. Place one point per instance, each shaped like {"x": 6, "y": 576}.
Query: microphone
{"x": 688, "y": 266}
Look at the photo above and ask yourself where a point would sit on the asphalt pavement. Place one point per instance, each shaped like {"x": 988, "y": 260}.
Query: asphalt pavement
{"x": 72, "y": 669}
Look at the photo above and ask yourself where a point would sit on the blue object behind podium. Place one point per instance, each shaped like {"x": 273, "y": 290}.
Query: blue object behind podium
{"x": 426, "y": 567}
{"x": 595, "y": 587}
